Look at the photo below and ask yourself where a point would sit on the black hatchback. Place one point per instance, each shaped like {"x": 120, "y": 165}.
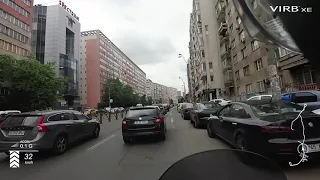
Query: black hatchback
{"x": 143, "y": 121}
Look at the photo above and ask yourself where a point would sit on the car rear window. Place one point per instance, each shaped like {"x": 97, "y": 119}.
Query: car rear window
{"x": 21, "y": 120}
{"x": 141, "y": 112}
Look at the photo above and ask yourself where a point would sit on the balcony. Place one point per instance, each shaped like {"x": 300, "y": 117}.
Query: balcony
{"x": 223, "y": 40}
{"x": 226, "y": 55}
{"x": 229, "y": 83}
{"x": 203, "y": 75}
{"x": 223, "y": 29}
{"x": 221, "y": 11}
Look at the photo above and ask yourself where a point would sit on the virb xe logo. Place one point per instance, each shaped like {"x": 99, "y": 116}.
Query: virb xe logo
{"x": 291, "y": 9}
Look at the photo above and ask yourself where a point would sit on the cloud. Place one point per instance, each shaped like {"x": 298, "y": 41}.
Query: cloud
{"x": 150, "y": 32}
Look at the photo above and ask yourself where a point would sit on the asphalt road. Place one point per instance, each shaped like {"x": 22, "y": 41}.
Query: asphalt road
{"x": 109, "y": 158}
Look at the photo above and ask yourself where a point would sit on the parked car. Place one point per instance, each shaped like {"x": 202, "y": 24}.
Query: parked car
{"x": 186, "y": 108}
{"x": 260, "y": 97}
{"x": 143, "y": 121}
{"x": 46, "y": 130}
{"x": 265, "y": 127}
{"x": 222, "y": 102}
{"x": 162, "y": 109}
{"x": 200, "y": 113}
{"x": 310, "y": 98}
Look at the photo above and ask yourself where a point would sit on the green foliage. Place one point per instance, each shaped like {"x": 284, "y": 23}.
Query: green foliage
{"x": 122, "y": 95}
{"x": 32, "y": 85}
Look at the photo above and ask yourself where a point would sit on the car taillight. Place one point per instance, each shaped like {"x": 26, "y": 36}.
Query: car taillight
{"x": 41, "y": 127}
{"x": 124, "y": 122}
{"x": 158, "y": 120}
{"x": 276, "y": 129}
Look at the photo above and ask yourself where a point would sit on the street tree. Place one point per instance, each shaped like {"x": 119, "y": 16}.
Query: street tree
{"x": 29, "y": 85}
{"x": 143, "y": 99}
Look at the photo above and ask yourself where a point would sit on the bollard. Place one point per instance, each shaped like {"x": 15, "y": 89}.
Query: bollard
{"x": 101, "y": 114}
{"x": 109, "y": 116}
{"x": 117, "y": 115}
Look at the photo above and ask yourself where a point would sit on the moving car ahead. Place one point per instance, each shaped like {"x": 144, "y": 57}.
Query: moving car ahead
{"x": 46, "y": 130}
{"x": 185, "y": 112}
{"x": 143, "y": 121}
{"x": 265, "y": 127}
{"x": 201, "y": 112}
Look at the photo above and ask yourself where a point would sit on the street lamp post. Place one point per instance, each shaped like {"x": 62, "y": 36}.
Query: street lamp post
{"x": 193, "y": 92}
{"x": 184, "y": 85}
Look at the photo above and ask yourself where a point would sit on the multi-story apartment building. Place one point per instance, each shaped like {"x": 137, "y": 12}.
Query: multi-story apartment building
{"x": 204, "y": 51}
{"x": 15, "y": 31}
{"x": 160, "y": 93}
{"x": 249, "y": 64}
{"x": 56, "y": 39}
{"x": 101, "y": 59}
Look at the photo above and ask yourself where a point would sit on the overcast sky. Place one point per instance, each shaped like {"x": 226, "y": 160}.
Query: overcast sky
{"x": 150, "y": 32}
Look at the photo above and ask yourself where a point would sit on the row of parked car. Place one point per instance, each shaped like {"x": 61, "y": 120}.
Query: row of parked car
{"x": 263, "y": 125}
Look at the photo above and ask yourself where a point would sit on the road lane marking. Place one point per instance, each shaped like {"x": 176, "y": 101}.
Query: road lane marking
{"x": 172, "y": 122}
{"x": 101, "y": 142}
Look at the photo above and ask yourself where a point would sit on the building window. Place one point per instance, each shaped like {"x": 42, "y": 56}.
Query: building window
{"x": 203, "y": 67}
{"x": 235, "y": 58}
{"x": 304, "y": 76}
{"x": 242, "y": 37}
{"x": 254, "y": 45}
{"x": 16, "y": 7}
{"x": 210, "y": 65}
{"x": 283, "y": 52}
{"x": 211, "y": 78}
{"x": 243, "y": 53}
{"x": 200, "y": 30}
{"x": 197, "y": 6}
{"x": 249, "y": 88}
{"x": 254, "y": 4}
{"x": 260, "y": 86}
{"x": 202, "y": 53}
{"x": 233, "y": 44}
{"x": 238, "y": 20}
{"x": 258, "y": 64}
{"x": 237, "y": 74}
{"x": 246, "y": 71}
{"x": 231, "y": 28}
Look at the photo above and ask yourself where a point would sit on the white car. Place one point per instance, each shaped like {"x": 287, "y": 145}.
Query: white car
{"x": 222, "y": 102}
{"x": 260, "y": 97}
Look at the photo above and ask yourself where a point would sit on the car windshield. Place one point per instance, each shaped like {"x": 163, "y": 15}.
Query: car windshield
{"x": 187, "y": 105}
{"x": 275, "y": 108}
{"x": 141, "y": 112}
{"x": 212, "y": 105}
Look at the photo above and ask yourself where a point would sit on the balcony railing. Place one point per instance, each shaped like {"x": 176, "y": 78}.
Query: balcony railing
{"x": 223, "y": 29}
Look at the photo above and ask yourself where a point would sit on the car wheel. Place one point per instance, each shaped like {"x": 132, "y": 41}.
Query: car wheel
{"x": 240, "y": 142}
{"x": 96, "y": 131}
{"x": 209, "y": 131}
{"x": 60, "y": 145}
{"x": 126, "y": 140}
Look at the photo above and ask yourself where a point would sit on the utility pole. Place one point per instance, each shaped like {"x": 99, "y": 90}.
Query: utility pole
{"x": 110, "y": 88}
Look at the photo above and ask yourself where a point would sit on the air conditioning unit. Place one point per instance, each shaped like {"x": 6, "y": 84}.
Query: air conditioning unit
{"x": 243, "y": 40}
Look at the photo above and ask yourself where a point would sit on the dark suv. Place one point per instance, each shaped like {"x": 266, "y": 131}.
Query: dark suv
{"x": 143, "y": 121}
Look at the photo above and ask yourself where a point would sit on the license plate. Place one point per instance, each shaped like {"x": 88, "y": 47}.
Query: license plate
{"x": 16, "y": 133}
{"x": 313, "y": 148}
{"x": 141, "y": 122}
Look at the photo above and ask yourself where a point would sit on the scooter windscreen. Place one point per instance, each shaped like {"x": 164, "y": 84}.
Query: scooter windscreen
{"x": 224, "y": 165}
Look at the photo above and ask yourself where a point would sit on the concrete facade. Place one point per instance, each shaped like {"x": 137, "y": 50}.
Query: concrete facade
{"x": 15, "y": 27}
{"x": 205, "y": 62}
{"x": 101, "y": 59}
